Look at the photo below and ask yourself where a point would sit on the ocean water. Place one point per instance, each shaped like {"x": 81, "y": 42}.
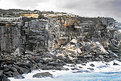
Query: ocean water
{"x": 102, "y": 71}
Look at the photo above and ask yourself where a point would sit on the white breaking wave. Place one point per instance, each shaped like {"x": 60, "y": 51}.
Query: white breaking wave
{"x": 104, "y": 66}
{"x": 113, "y": 66}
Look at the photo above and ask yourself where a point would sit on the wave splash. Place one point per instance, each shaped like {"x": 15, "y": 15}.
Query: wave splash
{"x": 93, "y": 71}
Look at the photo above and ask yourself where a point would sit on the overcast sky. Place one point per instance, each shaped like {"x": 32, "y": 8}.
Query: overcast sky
{"x": 90, "y": 8}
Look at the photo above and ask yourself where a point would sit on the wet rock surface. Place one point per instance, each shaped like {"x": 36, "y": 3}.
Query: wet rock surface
{"x": 3, "y": 78}
{"x": 19, "y": 77}
{"x": 43, "y": 75}
{"x": 92, "y": 65}
{"x": 115, "y": 63}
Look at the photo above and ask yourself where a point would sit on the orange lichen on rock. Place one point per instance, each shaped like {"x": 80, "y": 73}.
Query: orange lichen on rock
{"x": 30, "y": 15}
{"x": 69, "y": 21}
{"x": 7, "y": 25}
{"x": 62, "y": 40}
{"x": 55, "y": 46}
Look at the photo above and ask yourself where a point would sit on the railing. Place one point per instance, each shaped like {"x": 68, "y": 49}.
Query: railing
{"x": 10, "y": 18}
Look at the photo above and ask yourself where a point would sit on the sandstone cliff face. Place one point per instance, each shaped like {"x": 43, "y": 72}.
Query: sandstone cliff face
{"x": 77, "y": 37}
{"x": 60, "y": 34}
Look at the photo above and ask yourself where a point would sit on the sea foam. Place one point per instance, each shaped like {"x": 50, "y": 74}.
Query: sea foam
{"x": 99, "y": 67}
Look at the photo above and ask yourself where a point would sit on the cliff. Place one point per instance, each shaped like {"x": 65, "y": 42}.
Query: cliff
{"x": 53, "y": 39}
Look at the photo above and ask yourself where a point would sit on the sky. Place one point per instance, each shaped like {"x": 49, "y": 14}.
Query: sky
{"x": 85, "y": 8}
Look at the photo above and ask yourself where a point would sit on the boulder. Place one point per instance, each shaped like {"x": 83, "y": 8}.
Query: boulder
{"x": 90, "y": 68}
{"x": 115, "y": 63}
{"x": 43, "y": 75}
{"x": 92, "y": 65}
{"x": 1, "y": 72}
{"x": 4, "y": 78}
{"x": 17, "y": 52}
{"x": 74, "y": 69}
{"x": 22, "y": 70}
{"x": 2, "y": 60}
